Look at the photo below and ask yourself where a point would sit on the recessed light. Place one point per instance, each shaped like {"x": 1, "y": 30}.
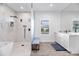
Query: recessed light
{"x": 51, "y": 5}
{"x": 21, "y": 7}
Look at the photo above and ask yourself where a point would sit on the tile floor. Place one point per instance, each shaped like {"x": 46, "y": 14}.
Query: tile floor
{"x": 47, "y": 50}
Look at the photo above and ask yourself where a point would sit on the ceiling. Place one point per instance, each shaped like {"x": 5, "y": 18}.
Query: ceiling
{"x": 72, "y": 7}
{"x": 16, "y": 6}
{"x": 44, "y": 7}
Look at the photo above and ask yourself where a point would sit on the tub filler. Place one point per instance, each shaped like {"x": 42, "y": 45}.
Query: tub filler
{"x": 6, "y": 48}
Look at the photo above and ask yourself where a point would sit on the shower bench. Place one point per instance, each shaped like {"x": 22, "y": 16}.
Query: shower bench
{"x": 35, "y": 43}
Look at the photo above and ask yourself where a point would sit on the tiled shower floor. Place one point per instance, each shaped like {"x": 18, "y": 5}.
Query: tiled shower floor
{"x": 19, "y": 50}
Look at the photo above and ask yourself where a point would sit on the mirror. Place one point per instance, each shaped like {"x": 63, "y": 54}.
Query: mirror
{"x": 69, "y": 15}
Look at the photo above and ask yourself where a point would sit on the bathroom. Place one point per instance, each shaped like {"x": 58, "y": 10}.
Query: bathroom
{"x": 22, "y": 23}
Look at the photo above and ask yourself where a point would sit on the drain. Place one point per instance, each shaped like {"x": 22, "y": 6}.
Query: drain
{"x": 22, "y": 45}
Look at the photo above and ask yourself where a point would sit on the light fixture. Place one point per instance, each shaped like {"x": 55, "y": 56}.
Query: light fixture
{"x": 21, "y": 7}
{"x": 51, "y": 5}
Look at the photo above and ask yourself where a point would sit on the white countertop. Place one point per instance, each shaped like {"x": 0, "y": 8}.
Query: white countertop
{"x": 69, "y": 33}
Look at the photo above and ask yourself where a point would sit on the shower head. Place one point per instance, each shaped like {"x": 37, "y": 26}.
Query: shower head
{"x": 14, "y": 16}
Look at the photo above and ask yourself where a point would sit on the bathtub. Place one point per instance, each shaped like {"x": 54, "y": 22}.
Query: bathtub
{"x": 6, "y": 48}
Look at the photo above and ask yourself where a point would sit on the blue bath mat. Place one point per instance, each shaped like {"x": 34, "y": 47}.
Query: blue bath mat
{"x": 58, "y": 47}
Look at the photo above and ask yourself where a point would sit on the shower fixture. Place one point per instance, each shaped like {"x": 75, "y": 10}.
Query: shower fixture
{"x": 24, "y": 30}
{"x": 14, "y": 16}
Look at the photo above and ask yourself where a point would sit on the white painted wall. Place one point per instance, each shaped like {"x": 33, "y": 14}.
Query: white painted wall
{"x": 6, "y": 34}
{"x": 54, "y": 25}
{"x": 67, "y": 18}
